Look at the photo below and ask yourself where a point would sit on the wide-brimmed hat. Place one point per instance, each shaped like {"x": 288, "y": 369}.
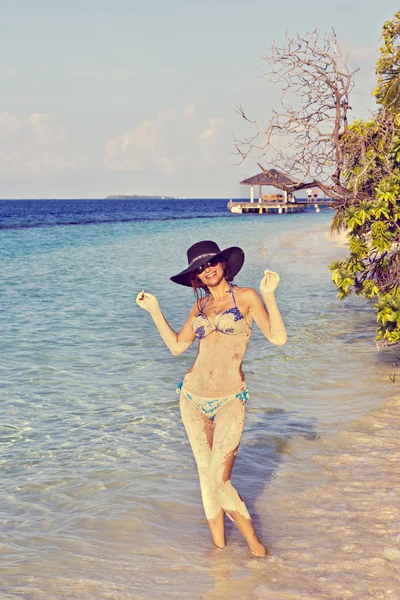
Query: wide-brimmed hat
{"x": 200, "y": 253}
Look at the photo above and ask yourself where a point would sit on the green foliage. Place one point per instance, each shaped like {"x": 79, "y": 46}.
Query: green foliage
{"x": 388, "y": 65}
{"x": 396, "y": 151}
{"x": 358, "y": 247}
{"x": 372, "y": 219}
{"x": 372, "y": 268}
{"x": 381, "y": 238}
{"x": 388, "y": 317}
{"x": 371, "y": 152}
{"x": 387, "y": 191}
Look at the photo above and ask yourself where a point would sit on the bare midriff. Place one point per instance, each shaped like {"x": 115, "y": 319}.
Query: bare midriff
{"x": 217, "y": 370}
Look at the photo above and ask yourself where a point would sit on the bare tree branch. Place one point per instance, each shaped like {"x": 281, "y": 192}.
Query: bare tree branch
{"x": 309, "y": 137}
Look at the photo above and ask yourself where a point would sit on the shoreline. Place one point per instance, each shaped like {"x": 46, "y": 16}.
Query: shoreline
{"x": 330, "y": 517}
{"x": 348, "y": 488}
{"x": 339, "y": 240}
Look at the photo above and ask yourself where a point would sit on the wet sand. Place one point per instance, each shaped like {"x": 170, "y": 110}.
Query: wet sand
{"x": 332, "y": 521}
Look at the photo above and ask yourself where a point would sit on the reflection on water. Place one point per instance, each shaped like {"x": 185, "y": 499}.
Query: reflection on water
{"x": 100, "y": 495}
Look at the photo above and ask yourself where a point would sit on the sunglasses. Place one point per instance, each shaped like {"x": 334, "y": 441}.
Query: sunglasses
{"x": 213, "y": 262}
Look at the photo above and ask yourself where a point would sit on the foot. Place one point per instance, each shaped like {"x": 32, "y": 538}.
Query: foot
{"x": 218, "y": 547}
{"x": 257, "y": 548}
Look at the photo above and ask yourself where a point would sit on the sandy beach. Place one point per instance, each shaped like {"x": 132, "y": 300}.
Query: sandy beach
{"x": 346, "y": 493}
{"x": 339, "y": 239}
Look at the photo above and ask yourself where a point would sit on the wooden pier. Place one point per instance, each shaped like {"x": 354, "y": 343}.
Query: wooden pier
{"x": 275, "y": 207}
{"x": 280, "y": 203}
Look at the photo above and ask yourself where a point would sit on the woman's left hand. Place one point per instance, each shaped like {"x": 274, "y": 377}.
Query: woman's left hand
{"x": 269, "y": 282}
{"x": 147, "y": 301}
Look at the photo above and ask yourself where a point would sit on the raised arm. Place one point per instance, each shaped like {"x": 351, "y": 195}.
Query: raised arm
{"x": 269, "y": 321}
{"x": 176, "y": 342}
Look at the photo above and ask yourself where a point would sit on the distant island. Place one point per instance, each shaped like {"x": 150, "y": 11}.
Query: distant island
{"x": 138, "y": 197}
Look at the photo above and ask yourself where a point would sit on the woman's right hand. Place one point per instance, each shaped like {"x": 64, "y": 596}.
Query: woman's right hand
{"x": 147, "y": 301}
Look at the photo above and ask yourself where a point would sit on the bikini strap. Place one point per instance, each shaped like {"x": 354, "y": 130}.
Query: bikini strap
{"x": 232, "y": 285}
{"x": 207, "y": 299}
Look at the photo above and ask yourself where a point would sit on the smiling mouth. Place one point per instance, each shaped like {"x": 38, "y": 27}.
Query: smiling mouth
{"x": 211, "y": 275}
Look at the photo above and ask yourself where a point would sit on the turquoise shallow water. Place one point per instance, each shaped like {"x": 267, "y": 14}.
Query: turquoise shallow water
{"x": 99, "y": 494}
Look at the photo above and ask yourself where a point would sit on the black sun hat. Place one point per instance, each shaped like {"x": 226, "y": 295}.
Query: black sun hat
{"x": 200, "y": 253}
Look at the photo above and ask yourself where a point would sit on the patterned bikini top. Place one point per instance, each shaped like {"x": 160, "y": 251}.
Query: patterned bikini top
{"x": 230, "y": 321}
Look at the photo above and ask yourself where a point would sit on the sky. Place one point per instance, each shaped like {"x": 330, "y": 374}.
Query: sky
{"x": 129, "y": 97}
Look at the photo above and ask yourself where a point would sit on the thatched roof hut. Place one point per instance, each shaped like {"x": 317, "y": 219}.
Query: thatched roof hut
{"x": 274, "y": 178}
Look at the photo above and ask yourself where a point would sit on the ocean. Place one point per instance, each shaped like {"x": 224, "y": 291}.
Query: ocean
{"x": 99, "y": 491}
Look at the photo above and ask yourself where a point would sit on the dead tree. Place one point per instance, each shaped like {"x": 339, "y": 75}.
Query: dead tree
{"x": 309, "y": 137}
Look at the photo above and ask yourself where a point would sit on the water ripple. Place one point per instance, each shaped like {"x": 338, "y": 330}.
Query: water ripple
{"x": 99, "y": 490}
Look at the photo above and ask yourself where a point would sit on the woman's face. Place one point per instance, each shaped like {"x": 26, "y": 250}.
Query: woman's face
{"x": 212, "y": 276}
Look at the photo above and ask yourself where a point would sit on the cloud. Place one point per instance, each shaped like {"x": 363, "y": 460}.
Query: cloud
{"x": 36, "y": 144}
{"x": 139, "y": 148}
{"x": 173, "y": 142}
{"x": 169, "y": 144}
{"x": 213, "y": 130}
{"x": 189, "y": 111}
{"x": 168, "y": 166}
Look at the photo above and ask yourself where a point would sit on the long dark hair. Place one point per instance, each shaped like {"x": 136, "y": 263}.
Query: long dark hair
{"x": 200, "y": 289}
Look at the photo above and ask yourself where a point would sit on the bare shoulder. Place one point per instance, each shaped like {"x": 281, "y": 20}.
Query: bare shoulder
{"x": 198, "y": 306}
{"x": 195, "y": 309}
{"x": 247, "y": 295}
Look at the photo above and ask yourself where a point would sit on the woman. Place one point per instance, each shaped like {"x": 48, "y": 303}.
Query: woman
{"x": 213, "y": 393}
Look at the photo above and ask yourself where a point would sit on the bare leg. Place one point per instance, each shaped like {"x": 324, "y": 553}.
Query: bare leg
{"x": 217, "y": 528}
{"x": 228, "y": 429}
{"x": 200, "y": 433}
{"x": 215, "y": 444}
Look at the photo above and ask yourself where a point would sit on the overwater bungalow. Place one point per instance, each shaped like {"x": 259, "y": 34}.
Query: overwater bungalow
{"x": 281, "y": 202}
